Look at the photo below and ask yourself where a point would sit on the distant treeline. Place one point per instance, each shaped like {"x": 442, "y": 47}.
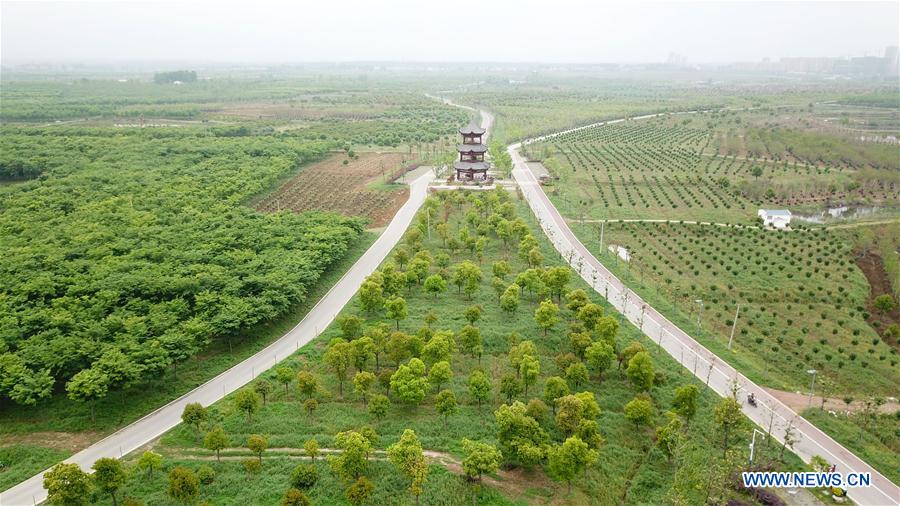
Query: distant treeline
{"x": 185, "y": 76}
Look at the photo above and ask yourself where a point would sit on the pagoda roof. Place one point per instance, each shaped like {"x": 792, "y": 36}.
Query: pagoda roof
{"x": 472, "y": 148}
{"x": 477, "y": 166}
{"x": 471, "y": 129}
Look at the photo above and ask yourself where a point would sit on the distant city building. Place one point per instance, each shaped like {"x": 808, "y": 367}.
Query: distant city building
{"x": 677, "y": 60}
{"x": 775, "y": 218}
{"x": 862, "y": 66}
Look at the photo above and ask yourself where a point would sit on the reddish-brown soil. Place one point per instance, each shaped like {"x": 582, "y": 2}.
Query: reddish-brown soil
{"x": 330, "y": 185}
{"x": 798, "y": 401}
{"x": 71, "y": 441}
{"x": 880, "y": 284}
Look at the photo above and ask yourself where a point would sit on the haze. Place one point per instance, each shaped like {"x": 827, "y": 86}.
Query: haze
{"x": 520, "y": 31}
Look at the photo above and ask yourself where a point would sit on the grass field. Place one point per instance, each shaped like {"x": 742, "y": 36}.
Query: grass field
{"x": 631, "y": 469}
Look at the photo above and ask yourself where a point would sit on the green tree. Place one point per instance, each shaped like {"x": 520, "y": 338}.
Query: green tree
{"x": 470, "y": 341}
{"x": 467, "y": 277}
{"x": 304, "y": 476}
{"x": 639, "y": 411}
{"x": 590, "y": 314}
{"x": 439, "y": 348}
{"x": 150, "y": 460}
{"x": 569, "y": 412}
{"x": 884, "y": 303}
{"x": 68, "y": 485}
{"x": 509, "y": 301}
{"x": 89, "y": 385}
{"x": 350, "y": 325}
{"x": 577, "y": 374}
{"x": 371, "y": 296}
{"x": 284, "y": 375}
{"x": 669, "y": 436}
{"x": 556, "y": 279}
{"x": 378, "y": 406}
{"x": 307, "y": 383}
{"x": 529, "y": 370}
{"x": 729, "y": 419}
{"x": 396, "y": 309}
{"x": 360, "y": 492}
{"x": 439, "y": 374}
{"x": 685, "y": 401}
{"x": 352, "y": 462}
{"x": 263, "y": 388}
{"x": 521, "y": 438}
{"x": 362, "y": 384}
{"x": 216, "y": 440}
{"x": 501, "y": 269}
{"x": 258, "y": 444}
{"x": 480, "y": 459}
{"x": 640, "y": 370}
{"x": 546, "y": 315}
{"x": 109, "y": 476}
{"x": 479, "y": 387}
{"x": 445, "y": 403}
{"x": 294, "y": 497}
{"x": 600, "y": 356}
{"x": 184, "y": 485}
{"x": 195, "y": 415}
{"x": 564, "y": 462}
{"x": 554, "y": 388}
{"x": 247, "y": 400}
{"x": 363, "y": 351}
{"x": 510, "y": 387}
{"x": 407, "y": 456}
{"x": 435, "y": 285}
{"x": 311, "y": 447}
{"x": 339, "y": 358}
{"x": 409, "y": 382}
{"x": 576, "y": 299}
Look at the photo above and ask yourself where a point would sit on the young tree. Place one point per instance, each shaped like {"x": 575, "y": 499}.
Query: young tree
{"x": 362, "y": 384}
{"x": 439, "y": 374}
{"x": 600, "y": 356}
{"x": 409, "y": 382}
{"x": 439, "y": 348}
{"x": 470, "y": 341}
{"x": 304, "y": 476}
{"x": 311, "y": 447}
{"x": 184, "y": 485}
{"x": 407, "y": 456}
{"x": 554, "y": 388}
{"x": 195, "y": 415}
{"x": 546, "y": 315}
{"x": 295, "y": 497}
{"x": 521, "y": 438}
{"x": 371, "y": 296}
{"x": 89, "y": 385}
{"x": 640, "y": 370}
{"x": 569, "y": 412}
{"x": 339, "y": 358}
{"x": 729, "y": 420}
{"x": 509, "y": 301}
{"x": 501, "y": 269}
{"x": 577, "y": 374}
{"x": 529, "y": 370}
{"x": 258, "y": 444}
{"x": 685, "y": 401}
{"x": 396, "y": 309}
{"x": 363, "y": 351}
{"x": 307, "y": 383}
{"x": 556, "y": 279}
{"x": 566, "y": 461}
{"x": 109, "y": 476}
{"x": 263, "y": 388}
{"x": 216, "y": 440}
{"x": 352, "y": 462}
{"x": 445, "y": 403}
{"x": 884, "y": 303}
{"x": 479, "y": 387}
{"x": 150, "y": 460}
{"x": 473, "y": 314}
{"x": 284, "y": 375}
{"x": 247, "y": 400}
{"x": 669, "y": 436}
{"x": 639, "y": 411}
{"x": 435, "y": 285}
{"x": 67, "y": 484}
{"x": 590, "y": 315}
{"x": 510, "y": 387}
{"x": 310, "y": 405}
{"x": 576, "y": 299}
{"x": 481, "y": 458}
{"x": 360, "y": 492}
{"x": 378, "y": 406}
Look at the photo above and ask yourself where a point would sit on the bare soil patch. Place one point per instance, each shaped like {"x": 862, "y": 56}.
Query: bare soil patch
{"x": 333, "y": 185}
{"x": 71, "y": 441}
{"x": 799, "y": 401}
{"x": 879, "y": 283}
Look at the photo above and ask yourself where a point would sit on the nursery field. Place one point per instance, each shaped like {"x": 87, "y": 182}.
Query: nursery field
{"x": 803, "y": 300}
{"x": 475, "y": 330}
{"x": 715, "y": 167}
{"x": 352, "y": 184}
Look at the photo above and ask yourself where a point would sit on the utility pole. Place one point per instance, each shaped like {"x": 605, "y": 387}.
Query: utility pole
{"x": 734, "y": 325}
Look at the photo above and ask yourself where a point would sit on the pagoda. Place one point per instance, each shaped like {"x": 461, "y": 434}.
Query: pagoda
{"x": 471, "y": 164}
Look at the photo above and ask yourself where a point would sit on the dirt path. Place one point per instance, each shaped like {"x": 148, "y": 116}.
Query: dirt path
{"x": 798, "y": 401}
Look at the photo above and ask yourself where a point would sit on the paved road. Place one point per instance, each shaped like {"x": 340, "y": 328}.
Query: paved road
{"x": 770, "y": 415}
{"x": 156, "y": 423}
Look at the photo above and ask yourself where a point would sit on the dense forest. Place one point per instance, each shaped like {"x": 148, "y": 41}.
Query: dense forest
{"x": 133, "y": 250}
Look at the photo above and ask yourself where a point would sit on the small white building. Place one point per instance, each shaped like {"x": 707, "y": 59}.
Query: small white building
{"x": 775, "y": 218}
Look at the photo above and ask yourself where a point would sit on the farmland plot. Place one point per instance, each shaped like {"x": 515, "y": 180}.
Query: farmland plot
{"x": 343, "y": 184}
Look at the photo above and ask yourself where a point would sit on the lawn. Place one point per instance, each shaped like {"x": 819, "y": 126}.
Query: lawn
{"x": 631, "y": 468}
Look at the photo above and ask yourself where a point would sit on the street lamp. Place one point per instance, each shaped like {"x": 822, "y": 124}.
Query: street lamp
{"x": 812, "y": 386}
{"x": 699, "y": 302}
{"x": 753, "y": 445}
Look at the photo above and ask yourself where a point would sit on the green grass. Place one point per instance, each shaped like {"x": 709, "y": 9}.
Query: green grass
{"x": 876, "y": 441}
{"x": 18, "y": 462}
{"x": 813, "y": 320}
{"x": 630, "y": 469}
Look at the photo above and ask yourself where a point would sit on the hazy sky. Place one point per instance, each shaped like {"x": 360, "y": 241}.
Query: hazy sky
{"x": 427, "y": 30}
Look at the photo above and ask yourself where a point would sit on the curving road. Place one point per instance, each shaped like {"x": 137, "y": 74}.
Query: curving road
{"x": 151, "y": 426}
{"x": 770, "y": 414}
